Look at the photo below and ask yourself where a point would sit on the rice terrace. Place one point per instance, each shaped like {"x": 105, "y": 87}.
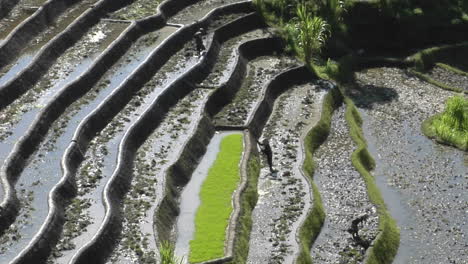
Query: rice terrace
{"x": 233, "y": 131}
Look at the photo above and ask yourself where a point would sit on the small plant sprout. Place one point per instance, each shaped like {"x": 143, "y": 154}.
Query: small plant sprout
{"x": 167, "y": 251}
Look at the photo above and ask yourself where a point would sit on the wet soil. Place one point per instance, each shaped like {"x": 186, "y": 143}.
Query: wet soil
{"x": 34, "y": 47}
{"x": 99, "y": 159}
{"x": 426, "y": 182}
{"x": 344, "y": 196}
{"x": 43, "y": 170}
{"x": 259, "y": 71}
{"x": 22, "y": 10}
{"x": 18, "y": 116}
{"x": 139, "y": 9}
{"x": 449, "y": 78}
{"x": 227, "y": 58}
{"x": 284, "y": 195}
{"x": 198, "y": 10}
{"x": 154, "y": 157}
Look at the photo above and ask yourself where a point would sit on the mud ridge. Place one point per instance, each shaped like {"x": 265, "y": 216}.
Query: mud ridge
{"x": 114, "y": 101}
{"x": 29, "y": 28}
{"x": 27, "y": 144}
{"x": 49, "y": 53}
{"x": 28, "y": 76}
{"x": 120, "y": 181}
{"x": 180, "y": 172}
{"x": 275, "y": 87}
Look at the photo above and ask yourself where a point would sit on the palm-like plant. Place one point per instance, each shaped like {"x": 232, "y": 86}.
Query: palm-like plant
{"x": 310, "y": 32}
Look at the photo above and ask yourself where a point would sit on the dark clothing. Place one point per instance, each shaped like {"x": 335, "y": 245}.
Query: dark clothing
{"x": 266, "y": 149}
{"x": 199, "y": 42}
{"x": 354, "y": 230}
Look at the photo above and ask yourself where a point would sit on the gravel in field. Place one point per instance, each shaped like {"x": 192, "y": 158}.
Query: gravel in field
{"x": 284, "y": 196}
{"x": 259, "y": 72}
{"x": 430, "y": 180}
{"x": 450, "y": 78}
{"x": 344, "y": 196}
{"x": 198, "y": 10}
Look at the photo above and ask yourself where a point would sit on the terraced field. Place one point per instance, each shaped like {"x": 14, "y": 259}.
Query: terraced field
{"x": 111, "y": 117}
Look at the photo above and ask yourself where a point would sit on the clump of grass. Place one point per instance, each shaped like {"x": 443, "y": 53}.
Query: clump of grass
{"x": 215, "y": 208}
{"x": 451, "y": 126}
{"x": 167, "y": 251}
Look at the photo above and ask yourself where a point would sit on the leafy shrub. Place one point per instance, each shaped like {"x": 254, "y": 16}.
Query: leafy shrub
{"x": 308, "y": 33}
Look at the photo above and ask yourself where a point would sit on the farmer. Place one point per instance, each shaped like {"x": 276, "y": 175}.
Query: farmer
{"x": 266, "y": 149}
{"x": 199, "y": 40}
{"x": 354, "y": 230}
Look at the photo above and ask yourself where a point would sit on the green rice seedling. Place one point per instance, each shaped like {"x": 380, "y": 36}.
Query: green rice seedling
{"x": 213, "y": 214}
{"x": 167, "y": 251}
{"x": 451, "y": 126}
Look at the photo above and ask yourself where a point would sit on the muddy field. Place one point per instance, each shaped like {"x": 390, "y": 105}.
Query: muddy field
{"x": 107, "y": 134}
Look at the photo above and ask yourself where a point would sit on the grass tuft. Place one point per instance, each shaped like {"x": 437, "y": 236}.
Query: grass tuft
{"x": 212, "y": 217}
{"x": 451, "y": 126}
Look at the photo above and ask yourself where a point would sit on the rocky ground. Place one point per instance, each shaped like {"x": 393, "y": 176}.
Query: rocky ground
{"x": 450, "y": 78}
{"x": 285, "y": 195}
{"x": 344, "y": 196}
{"x": 259, "y": 72}
{"x": 430, "y": 180}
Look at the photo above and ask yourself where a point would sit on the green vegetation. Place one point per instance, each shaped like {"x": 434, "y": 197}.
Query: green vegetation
{"x": 167, "y": 252}
{"x": 248, "y": 201}
{"x": 326, "y": 34}
{"x": 428, "y": 79}
{"x": 451, "y": 126}
{"x": 306, "y": 33}
{"x": 215, "y": 208}
{"x": 449, "y": 57}
{"x": 448, "y": 54}
{"x": 454, "y": 10}
{"x": 317, "y": 135}
{"x": 451, "y": 68}
{"x": 387, "y": 242}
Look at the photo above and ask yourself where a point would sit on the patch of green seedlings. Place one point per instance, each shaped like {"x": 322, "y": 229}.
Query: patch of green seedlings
{"x": 137, "y": 10}
{"x": 213, "y": 214}
{"x": 451, "y": 126}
